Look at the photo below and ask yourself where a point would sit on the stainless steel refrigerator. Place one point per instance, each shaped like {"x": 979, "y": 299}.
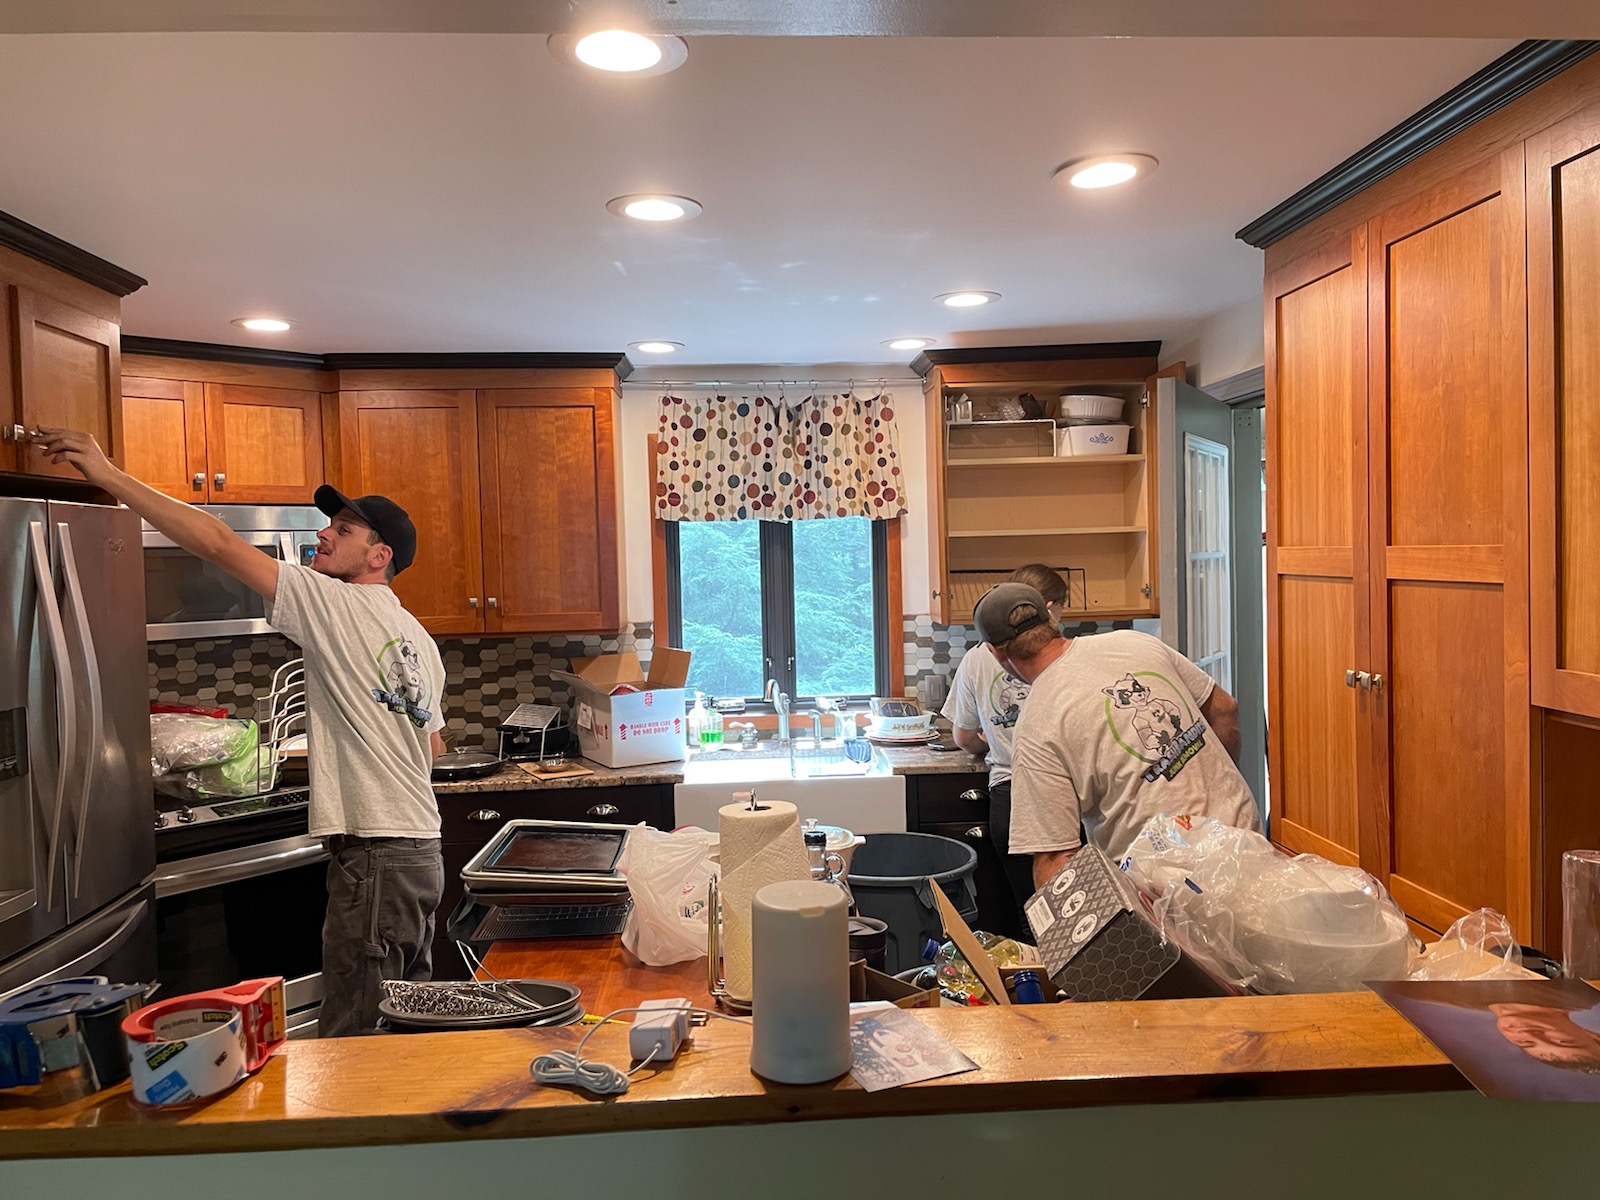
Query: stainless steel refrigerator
{"x": 77, "y": 840}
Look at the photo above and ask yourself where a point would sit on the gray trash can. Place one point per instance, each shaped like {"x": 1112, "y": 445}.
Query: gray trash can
{"x": 889, "y": 878}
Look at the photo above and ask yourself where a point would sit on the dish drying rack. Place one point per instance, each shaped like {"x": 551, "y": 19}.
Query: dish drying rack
{"x": 285, "y": 720}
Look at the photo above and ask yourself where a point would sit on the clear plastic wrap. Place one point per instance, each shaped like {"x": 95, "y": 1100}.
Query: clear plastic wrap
{"x": 194, "y": 756}
{"x": 667, "y": 876}
{"x": 1273, "y": 923}
{"x": 1478, "y": 946}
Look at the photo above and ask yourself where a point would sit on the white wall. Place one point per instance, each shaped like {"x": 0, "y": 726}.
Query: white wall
{"x": 1225, "y": 343}
{"x": 641, "y": 412}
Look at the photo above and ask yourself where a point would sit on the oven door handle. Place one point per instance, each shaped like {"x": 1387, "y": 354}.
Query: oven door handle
{"x": 212, "y": 870}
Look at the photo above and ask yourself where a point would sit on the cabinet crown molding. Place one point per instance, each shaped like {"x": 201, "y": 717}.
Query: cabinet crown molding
{"x": 1066, "y": 352}
{"x": 379, "y": 361}
{"x": 16, "y": 234}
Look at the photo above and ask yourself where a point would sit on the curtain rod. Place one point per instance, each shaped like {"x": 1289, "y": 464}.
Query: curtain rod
{"x": 755, "y": 384}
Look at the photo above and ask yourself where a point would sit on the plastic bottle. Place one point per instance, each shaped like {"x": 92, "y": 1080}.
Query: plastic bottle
{"x": 1026, "y": 987}
{"x": 956, "y": 975}
{"x": 826, "y": 867}
{"x": 712, "y": 734}
{"x": 698, "y": 716}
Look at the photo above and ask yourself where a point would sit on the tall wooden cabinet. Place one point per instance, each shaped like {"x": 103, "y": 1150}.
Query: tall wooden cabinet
{"x": 1433, "y": 545}
{"x": 1001, "y": 495}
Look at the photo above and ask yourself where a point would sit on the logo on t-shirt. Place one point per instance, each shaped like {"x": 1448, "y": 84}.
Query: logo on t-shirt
{"x": 1158, "y": 719}
{"x": 402, "y": 687}
{"x": 1006, "y": 694}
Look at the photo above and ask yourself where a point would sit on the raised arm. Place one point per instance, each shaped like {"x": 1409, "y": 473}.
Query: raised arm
{"x": 1221, "y": 712}
{"x": 198, "y": 532}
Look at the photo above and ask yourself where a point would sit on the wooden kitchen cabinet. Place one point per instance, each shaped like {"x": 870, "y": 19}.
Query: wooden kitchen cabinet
{"x": 223, "y": 443}
{"x": 66, "y": 363}
{"x": 1000, "y": 496}
{"x": 1563, "y": 189}
{"x": 514, "y": 494}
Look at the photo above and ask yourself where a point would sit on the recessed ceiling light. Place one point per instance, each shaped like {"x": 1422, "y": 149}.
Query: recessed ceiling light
{"x": 263, "y": 324}
{"x": 656, "y": 347}
{"x": 909, "y": 343}
{"x": 1105, "y": 170}
{"x": 621, "y": 52}
{"x": 967, "y": 299}
{"x": 654, "y": 207}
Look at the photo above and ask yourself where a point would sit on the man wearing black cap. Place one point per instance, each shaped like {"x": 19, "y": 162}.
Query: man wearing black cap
{"x": 1118, "y": 727}
{"x": 374, "y": 684}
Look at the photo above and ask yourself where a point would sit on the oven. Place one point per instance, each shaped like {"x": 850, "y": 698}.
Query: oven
{"x": 187, "y": 597}
{"x": 241, "y": 893}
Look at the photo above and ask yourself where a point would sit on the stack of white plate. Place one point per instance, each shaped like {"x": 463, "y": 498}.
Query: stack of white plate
{"x": 902, "y": 729}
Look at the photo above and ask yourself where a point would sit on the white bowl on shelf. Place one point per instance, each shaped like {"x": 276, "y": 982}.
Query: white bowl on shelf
{"x": 1100, "y": 408}
{"x": 1098, "y": 439}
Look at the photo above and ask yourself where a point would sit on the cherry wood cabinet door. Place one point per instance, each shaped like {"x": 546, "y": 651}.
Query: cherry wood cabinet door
{"x": 68, "y": 364}
{"x": 1563, "y": 188}
{"x": 1454, "y": 805}
{"x": 263, "y": 444}
{"x": 420, "y": 448}
{"x": 164, "y": 436}
{"x": 1316, "y": 424}
{"x": 548, "y": 472}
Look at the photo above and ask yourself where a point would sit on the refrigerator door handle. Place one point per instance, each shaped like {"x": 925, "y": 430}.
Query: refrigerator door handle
{"x": 91, "y": 671}
{"x": 93, "y": 957}
{"x": 67, "y": 713}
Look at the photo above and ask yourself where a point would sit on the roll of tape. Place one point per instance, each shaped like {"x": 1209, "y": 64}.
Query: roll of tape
{"x": 192, "y": 1047}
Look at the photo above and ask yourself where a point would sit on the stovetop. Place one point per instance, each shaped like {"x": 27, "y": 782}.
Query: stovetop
{"x": 183, "y": 829}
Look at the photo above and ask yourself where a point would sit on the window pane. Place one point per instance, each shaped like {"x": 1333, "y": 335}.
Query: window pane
{"x": 719, "y": 566}
{"x": 833, "y": 607}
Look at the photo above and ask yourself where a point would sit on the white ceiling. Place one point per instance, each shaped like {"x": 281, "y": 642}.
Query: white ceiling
{"x": 446, "y": 192}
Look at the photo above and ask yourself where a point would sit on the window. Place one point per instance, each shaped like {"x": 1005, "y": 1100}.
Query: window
{"x": 1210, "y": 567}
{"x": 801, "y": 602}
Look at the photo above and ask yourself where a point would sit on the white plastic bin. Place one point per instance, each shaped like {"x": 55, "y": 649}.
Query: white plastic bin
{"x": 1098, "y": 439}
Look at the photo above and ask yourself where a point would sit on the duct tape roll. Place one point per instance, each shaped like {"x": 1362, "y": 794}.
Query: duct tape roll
{"x": 193, "y": 1047}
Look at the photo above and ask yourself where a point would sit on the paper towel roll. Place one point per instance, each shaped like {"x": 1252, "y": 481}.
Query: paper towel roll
{"x": 801, "y": 1012}
{"x": 758, "y": 846}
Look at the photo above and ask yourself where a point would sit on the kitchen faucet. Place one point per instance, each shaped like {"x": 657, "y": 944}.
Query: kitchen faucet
{"x": 780, "y": 704}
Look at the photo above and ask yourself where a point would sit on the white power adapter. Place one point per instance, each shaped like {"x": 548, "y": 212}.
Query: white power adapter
{"x": 660, "y": 1027}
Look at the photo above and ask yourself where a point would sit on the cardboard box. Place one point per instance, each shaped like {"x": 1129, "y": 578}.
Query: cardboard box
{"x": 867, "y": 984}
{"x": 624, "y": 716}
{"x": 1099, "y": 941}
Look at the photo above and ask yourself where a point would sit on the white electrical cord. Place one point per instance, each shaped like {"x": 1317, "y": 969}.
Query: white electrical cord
{"x": 568, "y": 1068}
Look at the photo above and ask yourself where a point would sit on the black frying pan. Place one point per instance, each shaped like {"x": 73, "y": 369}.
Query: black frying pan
{"x": 464, "y": 764}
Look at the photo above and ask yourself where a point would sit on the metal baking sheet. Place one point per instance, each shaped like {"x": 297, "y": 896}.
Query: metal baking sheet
{"x": 549, "y": 855}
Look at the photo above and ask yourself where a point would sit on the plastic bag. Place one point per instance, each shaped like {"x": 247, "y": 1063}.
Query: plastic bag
{"x": 1272, "y": 922}
{"x": 195, "y": 757}
{"x": 1478, "y": 946}
{"x": 667, "y": 876}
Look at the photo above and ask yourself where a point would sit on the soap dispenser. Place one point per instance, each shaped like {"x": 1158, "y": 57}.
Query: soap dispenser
{"x": 699, "y": 715}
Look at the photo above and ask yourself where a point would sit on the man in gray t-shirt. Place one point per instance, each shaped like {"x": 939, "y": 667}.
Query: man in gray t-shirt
{"x": 374, "y": 684}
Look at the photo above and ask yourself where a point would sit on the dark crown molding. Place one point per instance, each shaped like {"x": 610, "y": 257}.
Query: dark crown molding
{"x": 929, "y": 359}
{"x": 262, "y": 357}
{"x": 1511, "y": 75}
{"x": 18, "y": 235}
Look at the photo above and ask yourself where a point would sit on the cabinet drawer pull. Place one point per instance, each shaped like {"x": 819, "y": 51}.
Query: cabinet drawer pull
{"x": 483, "y": 814}
{"x": 1377, "y": 683}
{"x": 472, "y": 603}
{"x": 976, "y": 834}
{"x": 602, "y": 810}
{"x": 199, "y": 480}
{"x": 493, "y": 603}
{"x": 219, "y": 481}
{"x": 975, "y": 796}
{"x": 1350, "y": 678}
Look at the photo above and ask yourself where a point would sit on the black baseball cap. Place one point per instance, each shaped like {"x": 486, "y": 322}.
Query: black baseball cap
{"x": 1007, "y": 610}
{"x": 386, "y": 518}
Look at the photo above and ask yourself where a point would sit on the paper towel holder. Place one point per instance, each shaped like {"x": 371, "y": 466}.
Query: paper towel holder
{"x": 716, "y": 982}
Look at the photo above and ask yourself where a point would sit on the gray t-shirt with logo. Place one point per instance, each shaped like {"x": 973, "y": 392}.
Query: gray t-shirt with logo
{"x": 987, "y": 697}
{"x": 374, "y": 694}
{"x": 1112, "y": 733}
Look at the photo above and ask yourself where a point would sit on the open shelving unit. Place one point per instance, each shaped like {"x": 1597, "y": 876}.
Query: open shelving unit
{"x": 1003, "y": 497}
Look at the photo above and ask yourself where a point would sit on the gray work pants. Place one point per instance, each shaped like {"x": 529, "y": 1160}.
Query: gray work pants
{"x": 382, "y": 895}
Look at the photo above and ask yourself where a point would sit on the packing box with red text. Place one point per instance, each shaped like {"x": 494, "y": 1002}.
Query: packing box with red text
{"x": 625, "y": 716}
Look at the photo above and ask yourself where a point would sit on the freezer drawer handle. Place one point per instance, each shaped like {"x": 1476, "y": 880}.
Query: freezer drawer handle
{"x": 67, "y": 700}
{"x": 92, "y": 958}
{"x": 602, "y": 810}
{"x": 91, "y": 679}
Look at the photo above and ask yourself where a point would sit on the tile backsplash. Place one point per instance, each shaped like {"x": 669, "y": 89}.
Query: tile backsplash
{"x": 489, "y": 677}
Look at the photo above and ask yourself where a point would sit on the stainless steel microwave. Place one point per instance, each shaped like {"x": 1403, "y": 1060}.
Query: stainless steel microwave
{"x": 187, "y": 597}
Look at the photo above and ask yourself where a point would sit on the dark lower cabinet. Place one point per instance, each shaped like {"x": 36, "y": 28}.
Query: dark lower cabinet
{"x": 469, "y": 819}
{"x": 957, "y": 806}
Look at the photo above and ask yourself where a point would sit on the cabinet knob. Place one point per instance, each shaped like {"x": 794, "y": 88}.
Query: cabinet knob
{"x": 1350, "y": 678}
{"x": 15, "y": 433}
{"x": 1377, "y": 683}
{"x": 493, "y": 603}
{"x": 199, "y": 480}
{"x": 219, "y": 481}
{"x": 483, "y": 814}
{"x": 472, "y": 602}
{"x": 975, "y": 796}
{"x": 976, "y": 834}
{"x": 1363, "y": 680}
{"x": 602, "y": 810}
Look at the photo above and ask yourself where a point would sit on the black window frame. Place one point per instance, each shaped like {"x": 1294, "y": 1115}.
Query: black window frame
{"x": 776, "y": 548}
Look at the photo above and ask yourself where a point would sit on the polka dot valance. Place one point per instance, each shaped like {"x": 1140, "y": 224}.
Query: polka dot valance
{"x": 722, "y": 458}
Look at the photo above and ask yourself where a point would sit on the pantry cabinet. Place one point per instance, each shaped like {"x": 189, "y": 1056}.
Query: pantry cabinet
{"x": 212, "y": 442}
{"x": 514, "y": 493}
{"x": 1003, "y": 492}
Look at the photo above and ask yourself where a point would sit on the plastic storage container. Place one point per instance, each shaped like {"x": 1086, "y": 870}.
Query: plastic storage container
{"x": 889, "y": 877}
{"x": 1099, "y": 439}
{"x": 1092, "y": 407}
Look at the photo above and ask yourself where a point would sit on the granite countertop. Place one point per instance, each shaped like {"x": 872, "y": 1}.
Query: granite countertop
{"x": 512, "y": 778}
{"x": 919, "y": 760}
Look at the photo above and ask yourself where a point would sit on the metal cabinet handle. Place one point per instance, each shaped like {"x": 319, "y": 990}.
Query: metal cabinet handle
{"x": 1363, "y": 680}
{"x": 602, "y": 810}
{"x": 219, "y": 481}
{"x": 976, "y": 834}
{"x": 15, "y": 433}
{"x": 1350, "y": 678}
{"x": 472, "y": 602}
{"x": 483, "y": 814}
{"x": 1377, "y": 683}
{"x": 493, "y": 603}
{"x": 199, "y": 480}
{"x": 975, "y": 796}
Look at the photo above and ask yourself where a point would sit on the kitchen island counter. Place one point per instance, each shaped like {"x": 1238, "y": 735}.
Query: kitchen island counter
{"x": 512, "y": 778}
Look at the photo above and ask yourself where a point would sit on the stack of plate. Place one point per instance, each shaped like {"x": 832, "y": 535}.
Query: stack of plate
{"x": 902, "y": 730}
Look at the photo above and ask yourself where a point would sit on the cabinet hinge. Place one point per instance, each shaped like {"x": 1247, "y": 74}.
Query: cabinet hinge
{"x": 1145, "y": 591}
{"x": 1144, "y": 398}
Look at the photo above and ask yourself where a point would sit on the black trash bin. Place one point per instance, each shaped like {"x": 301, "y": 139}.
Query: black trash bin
{"x": 889, "y": 876}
